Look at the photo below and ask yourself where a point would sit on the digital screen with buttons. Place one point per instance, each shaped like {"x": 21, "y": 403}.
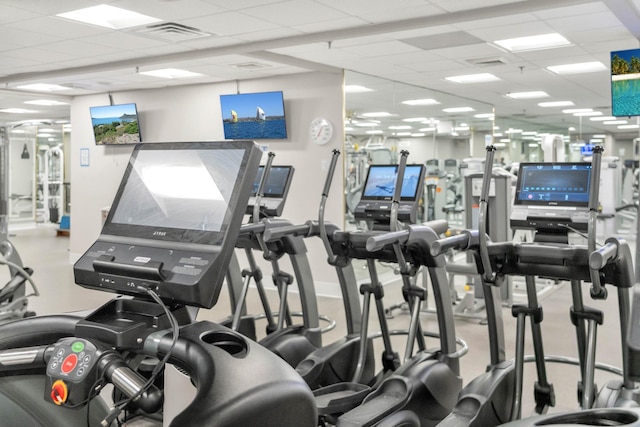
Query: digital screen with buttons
{"x": 553, "y": 184}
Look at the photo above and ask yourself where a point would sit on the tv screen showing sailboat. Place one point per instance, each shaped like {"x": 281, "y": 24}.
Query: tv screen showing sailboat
{"x": 254, "y": 116}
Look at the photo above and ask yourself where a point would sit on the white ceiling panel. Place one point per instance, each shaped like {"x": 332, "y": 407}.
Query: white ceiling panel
{"x": 515, "y": 19}
{"x": 229, "y": 23}
{"x": 295, "y": 13}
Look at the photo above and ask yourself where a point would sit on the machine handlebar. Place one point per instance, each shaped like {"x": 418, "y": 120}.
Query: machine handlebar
{"x": 376, "y": 243}
{"x": 602, "y": 256}
{"x": 461, "y": 241}
{"x": 292, "y": 230}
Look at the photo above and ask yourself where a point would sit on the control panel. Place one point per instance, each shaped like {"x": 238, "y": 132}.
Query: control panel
{"x": 71, "y": 371}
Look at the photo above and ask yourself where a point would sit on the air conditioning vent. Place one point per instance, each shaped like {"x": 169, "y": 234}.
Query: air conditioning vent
{"x": 171, "y": 31}
{"x": 488, "y": 62}
{"x": 251, "y": 66}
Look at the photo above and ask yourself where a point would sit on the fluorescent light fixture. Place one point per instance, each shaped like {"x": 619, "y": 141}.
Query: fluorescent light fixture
{"x": 425, "y": 101}
{"x": 582, "y": 67}
{"x": 356, "y": 89}
{"x": 366, "y": 124}
{"x": 348, "y": 129}
{"x": 461, "y": 128}
{"x": 431, "y": 121}
{"x": 603, "y": 118}
{"x": 429, "y": 129}
{"x": 529, "y": 133}
{"x": 577, "y": 110}
{"x": 46, "y": 102}
{"x": 528, "y": 95}
{"x": 511, "y": 130}
{"x": 496, "y": 128}
{"x": 499, "y": 145}
{"x": 43, "y": 87}
{"x": 50, "y": 130}
{"x": 497, "y": 134}
{"x": 594, "y": 140}
{"x": 377, "y": 114}
{"x": 400, "y": 127}
{"x": 109, "y": 17}
{"x": 374, "y": 132}
{"x": 484, "y": 116}
{"x": 454, "y": 133}
{"x": 473, "y": 78}
{"x": 171, "y": 73}
{"x": 18, "y": 131}
{"x": 534, "y": 145}
{"x": 599, "y": 135}
{"x": 44, "y": 135}
{"x": 415, "y": 119}
{"x": 505, "y": 140}
{"x": 17, "y": 111}
{"x": 615, "y": 122}
{"x": 556, "y": 104}
{"x": 418, "y": 134}
{"x": 571, "y": 129}
{"x": 542, "y": 41}
{"x": 402, "y": 134}
{"x": 628, "y": 126}
{"x": 458, "y": 109}
{"x": 588, "y": 114}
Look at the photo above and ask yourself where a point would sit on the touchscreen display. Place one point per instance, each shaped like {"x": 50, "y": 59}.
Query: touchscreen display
{"x": 189, "y": 190}
{"x": 552, "y": 184}
{"x": 381, "y": 182}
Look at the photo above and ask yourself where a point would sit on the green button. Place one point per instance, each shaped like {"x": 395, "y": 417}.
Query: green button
{"x": 77, "y": 346}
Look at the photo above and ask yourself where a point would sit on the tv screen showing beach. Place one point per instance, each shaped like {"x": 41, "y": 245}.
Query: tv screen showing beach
{"x": 625, "y": 83}
{"x": 115, "y": 124}
{"x": 253, "y": 116}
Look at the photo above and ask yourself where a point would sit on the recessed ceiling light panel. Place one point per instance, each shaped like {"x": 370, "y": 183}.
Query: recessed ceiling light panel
{"x": 473, "y": 78}
{"x": 171, "y": 73}
{"x": 580, "y": 68}
{"x": 528, "y": 95}
{"x": 542, "y": 41}
{"x": 458, "y": 109}
{"x": 556, "y": 104}
{"x": 356, "y": 89}
{"x": 425, "y": 101}
{"x": 107, "y": 16}
{"x": 42, "y": 87}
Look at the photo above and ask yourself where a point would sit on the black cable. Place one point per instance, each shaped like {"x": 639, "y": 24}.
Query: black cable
{"x": 568, "y": 227}
{"x": 119, "y": 406}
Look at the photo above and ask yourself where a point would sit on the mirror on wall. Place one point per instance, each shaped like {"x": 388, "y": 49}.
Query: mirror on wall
{"x": 38, "y": 180}
{"x": 383, "y": 117}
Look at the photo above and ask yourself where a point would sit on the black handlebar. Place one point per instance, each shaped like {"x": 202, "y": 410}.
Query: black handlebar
{"x": 376, "y": 243}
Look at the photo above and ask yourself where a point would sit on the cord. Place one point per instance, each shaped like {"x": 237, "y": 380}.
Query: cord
{"x": 23, "y": 273}
{"x": 120, "y": 406}
{"x": 568, "y": 227}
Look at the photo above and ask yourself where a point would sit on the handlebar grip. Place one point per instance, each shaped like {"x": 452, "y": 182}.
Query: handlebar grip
{"x": 279, "y": 232}
{"x": 375, "y": 243}
{"x": 461, "y": 241}
{"x": 439, "y": 226}
{"x": 131, "y": 384}
{"x": 600, "y": 257}
{"x": 252, "y": 228}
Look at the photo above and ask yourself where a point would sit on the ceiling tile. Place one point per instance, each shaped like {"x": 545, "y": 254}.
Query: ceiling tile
{"x": 295, "y": 13}
{"x": 229, "y": 23}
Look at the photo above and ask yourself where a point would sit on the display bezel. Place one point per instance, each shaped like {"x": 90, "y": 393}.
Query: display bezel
{"x": 520, "y": 198}
{"x": 415, "y": 169}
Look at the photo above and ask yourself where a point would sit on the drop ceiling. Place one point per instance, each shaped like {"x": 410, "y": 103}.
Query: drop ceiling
{"x": 416, "y": 42}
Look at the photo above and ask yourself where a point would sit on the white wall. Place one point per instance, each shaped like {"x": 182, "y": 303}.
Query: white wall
{"x": 189, "y": 113}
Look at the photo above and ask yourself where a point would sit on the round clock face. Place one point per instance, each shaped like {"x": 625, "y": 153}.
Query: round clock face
{"x": 320, "y": 131}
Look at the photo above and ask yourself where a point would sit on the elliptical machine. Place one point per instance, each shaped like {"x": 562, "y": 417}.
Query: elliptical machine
{"x": 495, "y": 397}
{"x": 168, "y": 251}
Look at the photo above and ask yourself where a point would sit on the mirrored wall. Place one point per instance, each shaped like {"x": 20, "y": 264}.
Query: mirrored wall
{"x": 38, "y": 179}
{"x": 383, "y": 117}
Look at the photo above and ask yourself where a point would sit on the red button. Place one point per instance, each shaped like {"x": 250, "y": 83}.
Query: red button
{"x": 69, "y": 363}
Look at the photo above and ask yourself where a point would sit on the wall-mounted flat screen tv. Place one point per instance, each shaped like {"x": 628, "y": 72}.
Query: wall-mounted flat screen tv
{"x": 254, "y": 115}
{"x": 625, "y": 83}
{"x": 115, "y": 124}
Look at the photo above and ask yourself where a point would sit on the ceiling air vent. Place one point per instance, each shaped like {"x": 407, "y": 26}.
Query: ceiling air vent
{"x": 251, "y": 66}
{"x": 488, "y": 62}
{"x": 170, "y": 31}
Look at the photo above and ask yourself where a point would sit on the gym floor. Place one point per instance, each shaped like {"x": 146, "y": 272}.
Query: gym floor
{"x": 47, "y": 253}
